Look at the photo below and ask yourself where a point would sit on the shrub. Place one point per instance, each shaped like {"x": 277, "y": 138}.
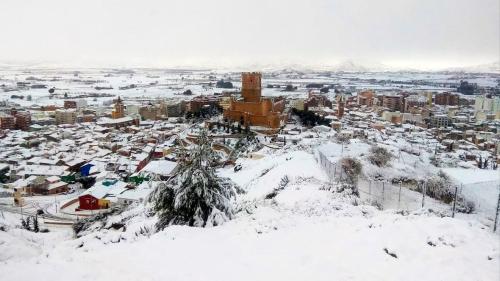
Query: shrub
{"x": 379, "y": 156}
{"x": 351, "y": 167}
{"x": 283, "y": 183}
{"x": 342, "y": 139}
{"x": 440, "y": 187}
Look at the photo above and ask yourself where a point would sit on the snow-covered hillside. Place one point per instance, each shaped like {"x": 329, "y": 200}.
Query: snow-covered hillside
{"x": 307, "y": 231}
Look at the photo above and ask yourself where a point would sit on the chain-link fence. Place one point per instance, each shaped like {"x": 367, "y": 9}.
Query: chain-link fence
{"x": 481, "y": 198}
{"x": 386, "y": 195}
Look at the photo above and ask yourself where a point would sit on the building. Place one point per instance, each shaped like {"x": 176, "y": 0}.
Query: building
{"x": 415, "y": 101}
{"x": 65, "y": 116}
{"x": 485, "y": 106}
{"x": 340, "y": 106}
{"x": 118, "y": 109}
{"x": 23, "y": 120}
{"x": 149, "y": 112}
{"x": 298, "y": 104}
{"x": 366, "y": 98}
{"x": 86, "y": 118}
{"x": 118, "y": 123}
{"x": 446, "y": 98}
{"x": 411, "y": 118}
{"x": 48, "y": 185}
{"x": 175, "y": 109}
{"x": 253, "y": 110}
{"x": 199, "y": 102}
{"x": 101, "y": 195}
{"x": 439, "y": 120}
{"x": 394, "y": 117}
{"x": 7, "y": 122}
{"x": 392, "y": 102}
{"x": 225, "y": 100}
{"x": 317, "y": 100}
{"x": 69, "y": 104}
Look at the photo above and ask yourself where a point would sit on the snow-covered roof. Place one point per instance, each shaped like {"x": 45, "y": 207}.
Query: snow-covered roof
{"x": 108, "y": 121}
{"x": 106, "y": 187}
{"x": 138, "y": 193}
{"x": 159, "y": 167}
{"x": 44, "y": 170}
{"x": 56, "y": 185}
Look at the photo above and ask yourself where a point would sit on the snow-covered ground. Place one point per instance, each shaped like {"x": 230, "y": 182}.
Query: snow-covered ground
{"x": 479, "y": 186}
{"x": 165, "y": 83}
{"x": 308, "y": 231}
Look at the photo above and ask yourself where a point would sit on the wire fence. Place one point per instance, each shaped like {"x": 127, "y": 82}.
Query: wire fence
{"x": 482, "y": 198}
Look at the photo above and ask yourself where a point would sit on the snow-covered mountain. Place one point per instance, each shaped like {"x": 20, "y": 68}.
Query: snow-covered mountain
{"x": 493, "y": 67}
{"x": 349, "y": 65}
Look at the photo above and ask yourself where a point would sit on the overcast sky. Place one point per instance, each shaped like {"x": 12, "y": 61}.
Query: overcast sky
{"x": 408, "y": 33}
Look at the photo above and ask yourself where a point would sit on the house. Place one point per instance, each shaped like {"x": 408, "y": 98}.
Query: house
{"x": 136, "y": 195}
{"x": 39, "y": 184}
{"x": 102, "y": 195}
{"x": 46, "y": 185}
{"x": 43, "y": 170}
{"x": 55, "y": 185}
{"x": 21, "y": 185}
{"x": 159, "y": 168}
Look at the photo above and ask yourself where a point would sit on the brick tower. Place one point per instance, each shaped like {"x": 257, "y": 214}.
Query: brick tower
{"x": 340, "y": 106}
{"x": 118, "y": 110}
{"x": 251, "y": 89}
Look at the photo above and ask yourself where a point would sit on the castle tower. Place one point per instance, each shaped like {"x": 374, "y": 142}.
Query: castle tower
{"x": 340, "y": 106}
{"x": 118, "y": 110}
{"x": 251, "y": 86}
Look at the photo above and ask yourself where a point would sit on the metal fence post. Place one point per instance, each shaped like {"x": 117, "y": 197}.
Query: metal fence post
{"x": 454, "y": 201}
{"x": 383, "y": 192}
{"x": 399, "y": 196}
{"x": 498, "y": 209}
{"x": 423, "y": 194}
{"x": 370, "y": 190}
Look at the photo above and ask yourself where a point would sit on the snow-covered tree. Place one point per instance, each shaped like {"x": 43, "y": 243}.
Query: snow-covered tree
{"x": 351, "y": 169}
{"x": 379, "y": 156}
{"x": 195, "y": 196}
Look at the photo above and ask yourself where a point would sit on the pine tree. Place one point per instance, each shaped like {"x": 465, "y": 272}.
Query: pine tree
{"x": 195, "y": 196}
{"x": 35, "y": 224}
{"x": 25, "y": 224}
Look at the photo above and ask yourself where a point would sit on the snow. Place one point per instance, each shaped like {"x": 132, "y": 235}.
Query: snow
{"x": 482, "y": 187}
{"x": 318, "y": 237}
{"x": 259, "y": 177}
{"x": 471, "y": 176}
{"x": 159, "y": 167}
{"x": 102, "y": 189}
{"x": 306, "y": 232}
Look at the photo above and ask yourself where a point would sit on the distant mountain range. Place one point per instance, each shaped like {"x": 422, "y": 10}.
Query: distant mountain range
{"x": 343, "y": 66}
{"x": 361, "y": 66}
{"x": 493, "y": 67}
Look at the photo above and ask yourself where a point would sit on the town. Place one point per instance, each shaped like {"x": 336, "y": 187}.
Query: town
{"x": 80, "y": 146}
{"x": 228, "y": 140}
{"x": 97, "y": 155}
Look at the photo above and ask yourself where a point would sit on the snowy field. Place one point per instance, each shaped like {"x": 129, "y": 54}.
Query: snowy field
{"x": 165, "y": 83}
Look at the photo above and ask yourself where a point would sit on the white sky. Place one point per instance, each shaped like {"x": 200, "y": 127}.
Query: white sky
{"x": 407, "y": 33}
